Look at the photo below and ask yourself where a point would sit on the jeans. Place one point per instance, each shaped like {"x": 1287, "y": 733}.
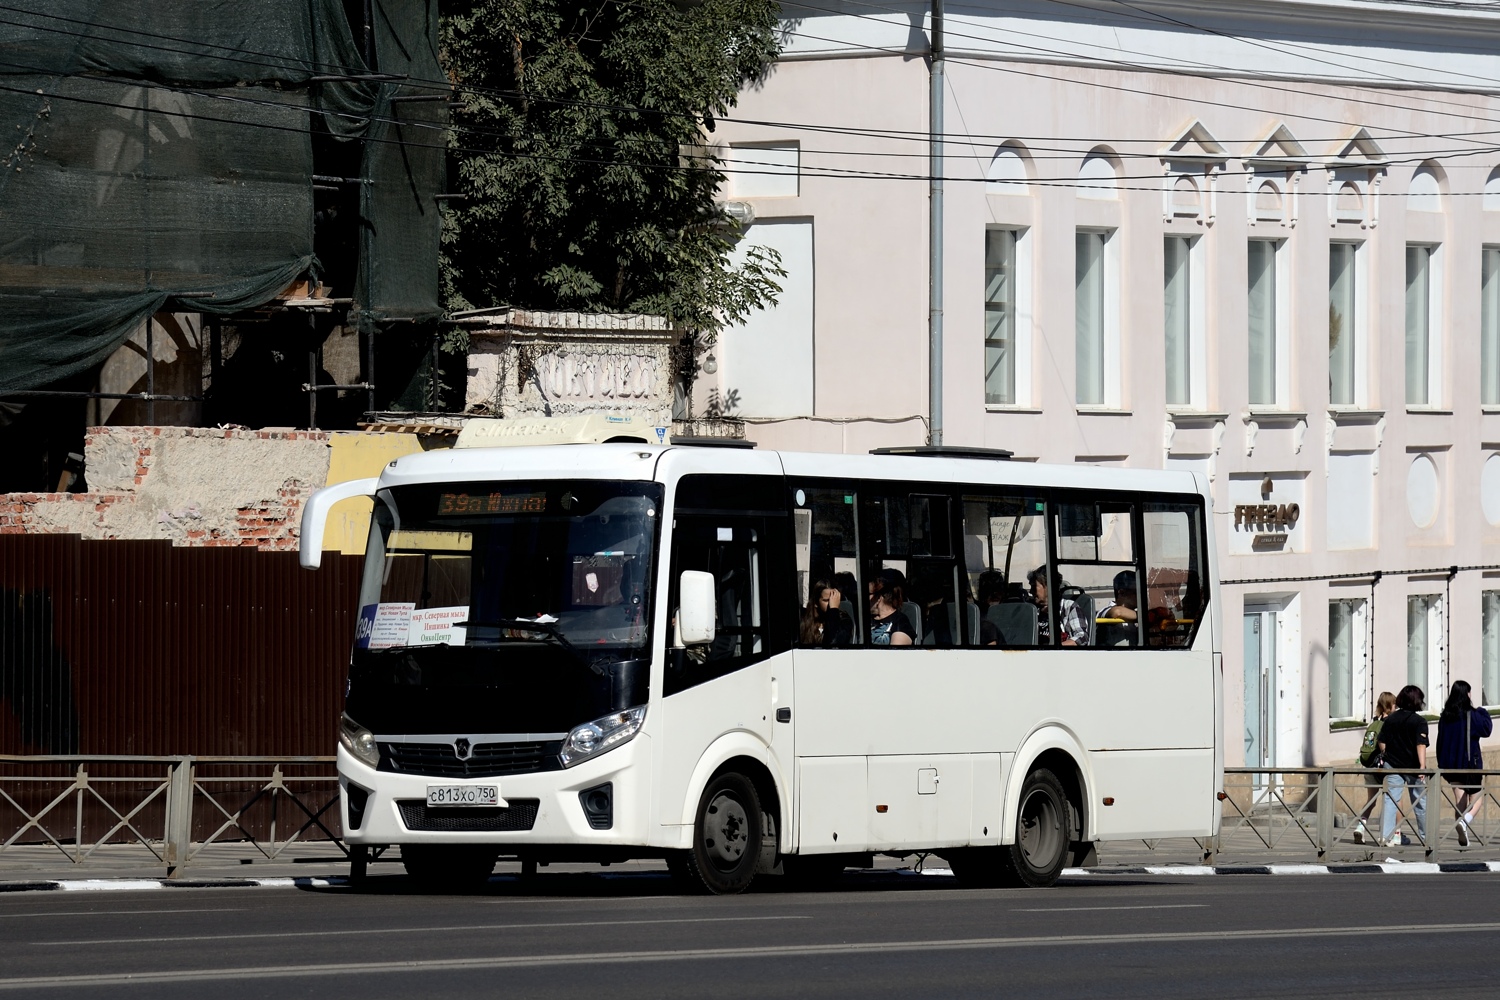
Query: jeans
{"x": 1394, "y": 783}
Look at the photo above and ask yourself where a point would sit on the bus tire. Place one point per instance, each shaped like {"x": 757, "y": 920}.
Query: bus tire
{"x": 1037, "y": 857}
{"x": 726, "y": 837}
{"x": 449, "y": 867}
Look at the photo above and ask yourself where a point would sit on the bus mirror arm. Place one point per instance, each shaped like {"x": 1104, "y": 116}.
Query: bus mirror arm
{"x": 315, "y": 516}
{"x": 695, "y": 613}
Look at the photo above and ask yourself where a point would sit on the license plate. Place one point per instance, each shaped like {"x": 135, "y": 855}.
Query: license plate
{"x": 463, "y": 795}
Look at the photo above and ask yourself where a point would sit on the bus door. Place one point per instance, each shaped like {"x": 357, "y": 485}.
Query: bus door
{"x": 737, "y": 683}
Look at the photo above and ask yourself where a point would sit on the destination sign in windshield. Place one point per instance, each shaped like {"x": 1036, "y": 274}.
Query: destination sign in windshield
{"x": 456, "y": 504}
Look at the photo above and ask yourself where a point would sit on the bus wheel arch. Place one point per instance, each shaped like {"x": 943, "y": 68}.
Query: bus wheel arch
{"x": 734, "y": 829}
{"x": 1052, "y": 749}
{"x": 741, "y": 753}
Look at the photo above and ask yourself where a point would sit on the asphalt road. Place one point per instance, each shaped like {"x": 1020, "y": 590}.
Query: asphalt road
{"x": 875, "y": 936}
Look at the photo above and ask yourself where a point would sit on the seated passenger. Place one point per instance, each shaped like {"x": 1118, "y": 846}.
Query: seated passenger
{"x": 991, "y": 592}
{"x": 1069, "y": 621}
{"x": 888, "y": 625}
{"x": 824, "y": 622}
{"x": 1126, "y": 602}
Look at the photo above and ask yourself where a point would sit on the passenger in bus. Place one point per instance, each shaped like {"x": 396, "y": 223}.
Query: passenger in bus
{"x": 1069, "y": 620}
{"x": 824, "y": 621}
{"x": 991, "y": 592}
{"x": 1127, "y": 602}
{"x": 889, "y": 626}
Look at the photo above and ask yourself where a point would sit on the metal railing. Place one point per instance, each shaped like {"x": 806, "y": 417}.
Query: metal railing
{"x": 1339, "y": 811}
{"x": 167, "y": 810}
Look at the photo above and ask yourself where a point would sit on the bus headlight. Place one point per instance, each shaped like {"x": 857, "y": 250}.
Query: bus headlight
{"x": 593, "y": 738}
{"x": 359, "y": 741}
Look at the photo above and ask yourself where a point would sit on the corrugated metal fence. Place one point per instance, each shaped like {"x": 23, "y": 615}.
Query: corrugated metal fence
{"x": 140, "y": 647}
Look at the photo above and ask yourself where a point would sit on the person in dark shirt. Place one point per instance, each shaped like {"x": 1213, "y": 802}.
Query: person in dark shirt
{"x": 889, "y": 625}
{"x": 824, "y": 621}
{"x": 1403, "y": 744}
{"x": 1460, "y": 728}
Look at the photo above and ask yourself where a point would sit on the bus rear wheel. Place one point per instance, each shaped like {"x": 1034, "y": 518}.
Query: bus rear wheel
{"x": 1037, "y": 857}
{"x": 726, "y": 838}
{"x": 449, "y": 866}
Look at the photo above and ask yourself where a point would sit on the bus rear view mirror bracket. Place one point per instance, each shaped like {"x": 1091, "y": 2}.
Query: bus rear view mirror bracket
{"x": 696, "y": 608}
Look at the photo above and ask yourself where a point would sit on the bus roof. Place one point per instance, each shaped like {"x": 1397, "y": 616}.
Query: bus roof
{"x": 641, "y": 462}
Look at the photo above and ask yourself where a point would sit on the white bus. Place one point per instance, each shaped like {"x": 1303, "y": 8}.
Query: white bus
{"x": 613, "y": 651}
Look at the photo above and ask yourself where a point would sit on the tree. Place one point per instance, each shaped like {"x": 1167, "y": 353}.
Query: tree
{"x": 580, "y": 149}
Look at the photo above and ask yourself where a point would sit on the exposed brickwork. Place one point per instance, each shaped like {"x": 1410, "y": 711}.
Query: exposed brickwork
{"x": 197, "y": 486}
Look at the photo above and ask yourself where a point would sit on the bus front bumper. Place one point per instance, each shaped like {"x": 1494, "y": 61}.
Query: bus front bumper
{"x": 395, "y": 809}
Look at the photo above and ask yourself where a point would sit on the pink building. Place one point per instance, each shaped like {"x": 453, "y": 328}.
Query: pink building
{"x": 1261, "y": 243}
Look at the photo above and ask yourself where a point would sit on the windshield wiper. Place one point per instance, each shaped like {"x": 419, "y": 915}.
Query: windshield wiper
{"x": 546, "y": 628}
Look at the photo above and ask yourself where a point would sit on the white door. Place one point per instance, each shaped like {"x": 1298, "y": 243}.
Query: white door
{"x": 1260, "y": 687}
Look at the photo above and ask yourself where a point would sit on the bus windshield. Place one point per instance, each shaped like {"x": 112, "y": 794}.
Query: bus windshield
{"x": 536, "y": 592}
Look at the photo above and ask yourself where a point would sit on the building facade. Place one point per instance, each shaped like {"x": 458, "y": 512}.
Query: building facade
{"x": 1260, "y": 240}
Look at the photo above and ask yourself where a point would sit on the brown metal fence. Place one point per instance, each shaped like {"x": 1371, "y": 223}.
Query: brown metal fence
{"x": 144, "y": 648}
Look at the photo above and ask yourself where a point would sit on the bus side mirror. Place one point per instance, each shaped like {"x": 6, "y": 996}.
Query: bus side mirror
{"x": 315, "y": 516}
{"x": 697, "y": 607}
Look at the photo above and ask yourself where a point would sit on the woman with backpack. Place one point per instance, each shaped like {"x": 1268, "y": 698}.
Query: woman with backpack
{"x": 1460, "y": 728}
{"x": 1369, "y": 756}
{"x": 1403, "y": 744}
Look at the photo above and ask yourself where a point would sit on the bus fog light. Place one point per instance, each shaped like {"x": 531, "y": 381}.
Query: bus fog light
{"x": 593, "y": 738}
{"x": 359, "y": 741}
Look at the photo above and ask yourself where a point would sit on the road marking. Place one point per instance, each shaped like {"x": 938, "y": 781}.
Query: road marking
{"x": 114, "y": 913}
{"x": 396, "y": 930}
{"x": 116, "y": 979}
{"x": 1091, "y": 909}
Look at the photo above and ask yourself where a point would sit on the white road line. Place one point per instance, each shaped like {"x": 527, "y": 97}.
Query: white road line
{"x": 364, "y": 931}
{"x": 1092, "y": 909}
{"x": 449, "y": 965}
{"x": 117, "y": 913}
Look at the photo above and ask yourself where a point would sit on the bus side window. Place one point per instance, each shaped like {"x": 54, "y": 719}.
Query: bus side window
{"x": 732, "y": 549}
{"x": 1174, "y": 573}
{"x": 906, "y": 537}
{"x": 1098, "y": 571}
{"x": 1004, "y": 538}
{"x": 827, "y": 566}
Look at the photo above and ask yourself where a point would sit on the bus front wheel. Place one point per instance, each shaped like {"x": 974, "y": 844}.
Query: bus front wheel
{"x": 726, "y": 837}
{"x": 1037, "y": 857}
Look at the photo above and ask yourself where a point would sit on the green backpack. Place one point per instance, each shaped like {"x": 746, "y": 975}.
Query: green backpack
{"x": 1369, "y": 750}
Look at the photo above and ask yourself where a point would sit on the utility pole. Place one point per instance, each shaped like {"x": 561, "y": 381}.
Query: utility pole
{"x": 935, "y": 229}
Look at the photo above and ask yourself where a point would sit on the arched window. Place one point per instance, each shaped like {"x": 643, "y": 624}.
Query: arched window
{"x": 1268, "y": 201}
{"x": 1007, "y": 173}
{"x": 1492, "y": 191}
{"x": 1186, "y": 199}
{"x": 1350, "y": 206}
{"x": 1425, "y": 193}
{"x": 1098, "y": 177}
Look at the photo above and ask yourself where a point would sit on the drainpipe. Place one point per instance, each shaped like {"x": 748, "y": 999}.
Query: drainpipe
{"x": 935, "y": 230}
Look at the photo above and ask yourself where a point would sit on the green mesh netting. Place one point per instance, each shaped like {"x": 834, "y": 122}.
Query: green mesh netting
{"x": 158, "y": 155}
{"x": 404, "y": 167}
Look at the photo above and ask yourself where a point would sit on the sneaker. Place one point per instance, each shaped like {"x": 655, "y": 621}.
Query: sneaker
{"x": 1360, "y": 832}
{"x": 1463, "y": 833}
{"x": 1397, "y": 840}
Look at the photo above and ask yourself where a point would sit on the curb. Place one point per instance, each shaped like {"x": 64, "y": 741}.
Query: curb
{"x": 133, "y": 884}
{"x": 1387, "y": 867}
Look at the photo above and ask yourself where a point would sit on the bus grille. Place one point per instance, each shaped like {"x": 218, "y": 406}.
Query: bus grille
{"x": 418, "y": 815}
{"x": 437, "y": 760}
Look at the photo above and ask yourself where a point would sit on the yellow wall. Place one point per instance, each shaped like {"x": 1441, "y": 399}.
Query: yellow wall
{"x": 359, "y": 455}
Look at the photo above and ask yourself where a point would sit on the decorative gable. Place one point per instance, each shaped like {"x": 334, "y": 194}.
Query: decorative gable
{"x": 1274, "y": 166}
{"x": 1191, "y": 161}
{"x": 1356, "y": 165}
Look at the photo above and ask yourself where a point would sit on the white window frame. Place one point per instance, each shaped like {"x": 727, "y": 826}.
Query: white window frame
{"x": 1489, "y": 648}
{"x": 1359, "y": 684}
{"x": 1361, "y": 348}
{"x": 1197, "y": 321}
{"x": 1489, "y": 329}
{"x": 1110, "y": 322}
{"x": 1434, "y": 319}
{"x": 1282, "y": 332}
{"x": 1021, "y": 320}
{"x": 1431, "y": 680}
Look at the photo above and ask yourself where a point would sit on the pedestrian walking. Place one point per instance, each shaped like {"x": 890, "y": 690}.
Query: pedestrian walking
{"x": 1403, "y": 744}
{"x": 1460, "y": 728}
{"x": 1369, "y": 757}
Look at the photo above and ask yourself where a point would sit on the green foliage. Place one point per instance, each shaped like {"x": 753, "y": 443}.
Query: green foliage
{"x": 588, "y": 186}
